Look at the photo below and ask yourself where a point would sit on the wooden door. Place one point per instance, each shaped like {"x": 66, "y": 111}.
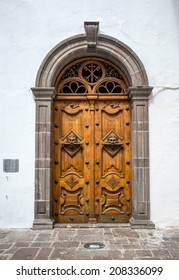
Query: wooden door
{"x": 91, "y": 153}
{"x": 112, "y": 161}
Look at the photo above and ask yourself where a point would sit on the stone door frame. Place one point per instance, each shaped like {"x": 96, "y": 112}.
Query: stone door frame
{"x": 109, "y": 48}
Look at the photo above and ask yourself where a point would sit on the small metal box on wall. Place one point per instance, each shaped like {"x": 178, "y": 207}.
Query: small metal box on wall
{"x": 10, "y": 165}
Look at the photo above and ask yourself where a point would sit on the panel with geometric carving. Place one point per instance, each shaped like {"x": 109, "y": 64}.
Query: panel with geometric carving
{"x": 71, "y": 143}
{"x": 71, "y": 160}
{"x": 111, "y": 143}
{"x": 72, "y": 182}
{"x": 113, "y": 201}
{"x": 112, "y": 182}
{"x": 71, "y": 202}
{"x": 112, "y": 116}
{"x": 71, "y": 119}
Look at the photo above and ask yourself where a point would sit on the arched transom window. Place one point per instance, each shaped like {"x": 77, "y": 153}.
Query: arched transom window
{"x": 89, "y": 76}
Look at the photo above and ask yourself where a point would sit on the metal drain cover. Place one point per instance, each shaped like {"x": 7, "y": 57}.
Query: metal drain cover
{"x": 94, "y": 245}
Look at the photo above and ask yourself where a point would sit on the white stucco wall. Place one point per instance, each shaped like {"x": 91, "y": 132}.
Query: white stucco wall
{"x": 28, "y": 30}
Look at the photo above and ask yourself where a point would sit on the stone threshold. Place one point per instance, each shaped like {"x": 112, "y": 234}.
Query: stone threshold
{"x": 89, "y": 225}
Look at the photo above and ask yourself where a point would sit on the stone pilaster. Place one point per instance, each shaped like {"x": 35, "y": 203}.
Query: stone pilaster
{"x": 140, "y": 157}
{"x": 43, "y": 157}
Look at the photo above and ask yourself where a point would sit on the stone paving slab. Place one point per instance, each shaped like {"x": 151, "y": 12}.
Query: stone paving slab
{"x": 68, "y": 244}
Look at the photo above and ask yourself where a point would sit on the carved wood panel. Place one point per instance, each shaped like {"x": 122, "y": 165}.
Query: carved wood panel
{"x": 69, "y": 151}
{"x": 113, "y": 173}
{"x": 92, "y": 161}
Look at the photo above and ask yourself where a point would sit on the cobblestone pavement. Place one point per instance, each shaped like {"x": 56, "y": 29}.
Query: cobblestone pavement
{"x": 68, "y": 244}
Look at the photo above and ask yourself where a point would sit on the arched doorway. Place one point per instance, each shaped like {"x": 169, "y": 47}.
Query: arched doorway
{"x": 46, "y": 93}
{"x": 91, "y": 144}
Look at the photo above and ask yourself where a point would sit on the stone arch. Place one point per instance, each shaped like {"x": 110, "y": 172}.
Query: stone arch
{"x": 139, "y": 91}
{"x": 107, "y": 48}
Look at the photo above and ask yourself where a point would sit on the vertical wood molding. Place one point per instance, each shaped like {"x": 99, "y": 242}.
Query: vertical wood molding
{"x": 43, "y": 156}
{"x": 140, "y": 157}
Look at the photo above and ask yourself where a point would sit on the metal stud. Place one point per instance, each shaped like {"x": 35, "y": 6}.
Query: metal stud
{"x": 56, "y": 162}
{"x": 56, "y": 109}
{"x": 127, "y": 143}
{"x": 97, "y": 109}
{"x": 56, "y": 142}
{"x": 86, "y": 109}
{"x": 97, "y": 214}
{"x": 128, "y": 162}
{"x": 56, "y": 181}
{"x": 87, "y": 199}
{"x": 56, "y": 214}
{"x": 127, "y": 182}
{"x": 113, "y": 218}
{"x": 97, "y": 199}
{"x": 127, "y": 123}
{"x": 97, "y": 143}
{"x": 71, "y": 218}
{"x": 127, "y": 108}
{"x": 56, "y": 199}
{"x": 97, "y": 162}
{"x": 56, "y": 125}
{"x": 86, "y": 125}
{"x": 87, "y": 143}
{"x": 87, "y": 182}
{"x": 97, "y": 123}
{"x": 128, "y": 199}
{"x": 86, "y": 162}
{"x": 87, "y": 213}
{"x": 97, "y": 182}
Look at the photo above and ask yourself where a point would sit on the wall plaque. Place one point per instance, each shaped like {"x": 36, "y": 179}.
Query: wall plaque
{"x": 10, "y": 165}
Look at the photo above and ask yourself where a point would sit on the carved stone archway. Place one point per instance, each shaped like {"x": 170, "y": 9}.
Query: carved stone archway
{"x": 113, "y": 50}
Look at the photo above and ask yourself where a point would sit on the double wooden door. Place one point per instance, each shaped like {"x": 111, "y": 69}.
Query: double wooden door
{"x": 91, "y": 160}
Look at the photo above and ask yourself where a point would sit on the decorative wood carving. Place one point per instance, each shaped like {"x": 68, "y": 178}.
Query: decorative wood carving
{"x": 112, "y": 182}
{"x": 112, "y": 146}
{"x": 72, "y": 182}
{"x": 71, "y": 168}
{"x": 113, "y": 201}
{"x": 110, "y": 86}
{"x": 72, "y": 144}
{"x": 69, "y": 118}
{"x": 71, "y": 201}
{"x": 70, "y": 86}
{"x": 91, "y": 76}
{"x": 112, "y": 167}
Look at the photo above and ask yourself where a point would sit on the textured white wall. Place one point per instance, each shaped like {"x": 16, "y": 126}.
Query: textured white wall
{"x": 28, "y": 30}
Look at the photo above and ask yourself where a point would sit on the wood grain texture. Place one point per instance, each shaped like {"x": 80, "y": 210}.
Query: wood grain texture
{"x": 91, "y": 146}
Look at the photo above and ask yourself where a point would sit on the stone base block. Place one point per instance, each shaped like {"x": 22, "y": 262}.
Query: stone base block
{"x": 141, "y": 224}
{"x": 43, "y": 224}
